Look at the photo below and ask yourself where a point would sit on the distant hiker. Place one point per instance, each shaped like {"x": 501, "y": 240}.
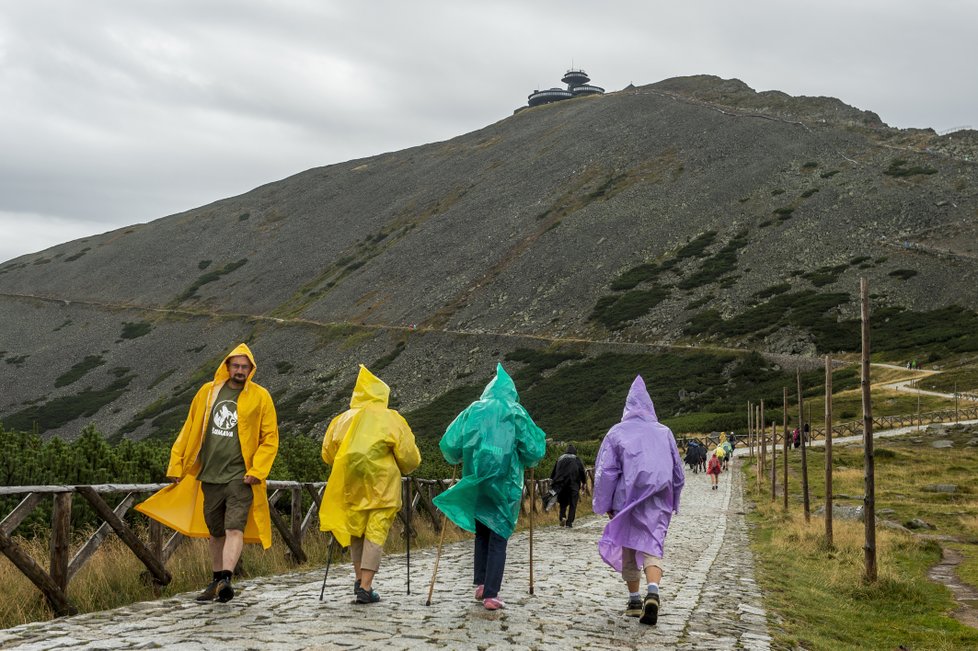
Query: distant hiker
{"x": 494, "y": 439}
{"x": 566, "y": 480}
{"x": 714, "y": 468}
{"x": 806, "y": 431}
{"x": 221, "y": 459}
{"x": 368, "y": 447}
{"x": 727, "y": 453}
{"x": 638, "y": 478}
{"x": 733, "y": 440}
{"x": 695, "y": 456}
{"x": 796, "y": 437}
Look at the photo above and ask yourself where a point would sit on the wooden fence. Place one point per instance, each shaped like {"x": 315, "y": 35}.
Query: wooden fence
{"x": 161, "y": 542}
{"x": 852, "y": 427}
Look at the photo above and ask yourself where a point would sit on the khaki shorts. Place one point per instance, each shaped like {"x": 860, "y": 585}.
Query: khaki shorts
{"x": 629, "y": 568}
{"x": 226, "y": 506}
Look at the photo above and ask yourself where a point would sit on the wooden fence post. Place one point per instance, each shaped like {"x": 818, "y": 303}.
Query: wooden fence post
{"x": 785, "y": 413}
{"x": 869, "y": 481}
{"x": 828, "y": 452}
{"x": 804, "y": 446}
{"x": 60, "y": 539}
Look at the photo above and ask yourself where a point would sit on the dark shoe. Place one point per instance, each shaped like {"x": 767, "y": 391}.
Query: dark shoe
{"x": 650, "y": 609}
{"x": 569, "y": 525}
{"x": 225, "y": 592}
{"x": 210, "y": 592}
{"x": 634, "y": 607}
{"x": 364, "y": 597}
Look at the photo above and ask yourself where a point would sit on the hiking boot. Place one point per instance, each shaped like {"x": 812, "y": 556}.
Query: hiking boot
{"x": 210, "y": 592}
{"x": 650, "y": 609}
{"x": 634, "y": 607}
{"x": 365, "y": 597}
{"x": 225, "y": 592}
{"x": 479, "y": 590}
{"x": 492, "y": 603}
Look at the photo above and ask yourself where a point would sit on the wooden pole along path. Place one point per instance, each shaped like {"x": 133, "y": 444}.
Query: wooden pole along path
{"x": 828, "y": 452}
{"x": 784, "y": 411}
{"x": 869, "y": 479}
{"x": 804, "y": 448}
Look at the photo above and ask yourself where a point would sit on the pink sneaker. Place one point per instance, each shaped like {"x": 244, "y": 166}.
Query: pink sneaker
{"x": 478, "y": 592}
{"x": 492, "y": 604}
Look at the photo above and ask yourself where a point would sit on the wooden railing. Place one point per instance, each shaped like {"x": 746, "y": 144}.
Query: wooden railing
{"x": 852, "y": 427}
{"x": 160, "y": 542}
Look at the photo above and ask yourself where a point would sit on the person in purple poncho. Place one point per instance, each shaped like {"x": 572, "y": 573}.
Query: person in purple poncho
{"x": 638, "y": 477}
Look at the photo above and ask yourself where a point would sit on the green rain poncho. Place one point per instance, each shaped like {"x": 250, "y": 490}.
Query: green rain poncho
{"x": 494, "y": 439}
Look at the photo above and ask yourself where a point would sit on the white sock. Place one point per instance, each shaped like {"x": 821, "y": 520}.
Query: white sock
{"x": 653, "y": 588}
{"x": 634, "y": 595}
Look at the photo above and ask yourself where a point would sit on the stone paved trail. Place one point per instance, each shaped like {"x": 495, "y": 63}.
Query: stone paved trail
{"x": 577, "y": 603}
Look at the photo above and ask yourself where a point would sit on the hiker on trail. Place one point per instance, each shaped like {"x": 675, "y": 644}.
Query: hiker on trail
{"x": 638, "y": 478}
{"x": 218, "y": 466}
{"x": 494, "y": 439}
{"x": 566, "y": 480}
{"x": 796, "y": 437}
{"x": 714, "y": 468}
{"x": 369, "y": 448}
{"x": 727, "y": 453}
{"x": 695, "y": 456}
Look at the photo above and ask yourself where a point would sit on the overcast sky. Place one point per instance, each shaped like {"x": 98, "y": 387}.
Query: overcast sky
{"x": 114, "y": 112}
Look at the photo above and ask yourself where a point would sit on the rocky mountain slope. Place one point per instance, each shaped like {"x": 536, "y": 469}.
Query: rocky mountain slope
{"x": 692, "y": 211}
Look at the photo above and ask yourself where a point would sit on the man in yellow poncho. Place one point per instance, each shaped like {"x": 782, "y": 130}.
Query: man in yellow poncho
{"x": 369, "y": 447}
{"x": 218, "y": 467}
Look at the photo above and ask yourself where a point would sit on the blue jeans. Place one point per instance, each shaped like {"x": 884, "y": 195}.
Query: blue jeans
{"x": 490, "y": 559}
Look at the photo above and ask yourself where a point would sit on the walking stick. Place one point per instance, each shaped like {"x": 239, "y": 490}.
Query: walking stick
{"x": 410, "y": 507}
{"x": 533, "y": 494}
{"x": 329, "y": 559}
{"x": 441, "y": 540}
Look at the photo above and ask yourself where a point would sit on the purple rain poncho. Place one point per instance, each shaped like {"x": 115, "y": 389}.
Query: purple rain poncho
{"x": 639, "y": 476}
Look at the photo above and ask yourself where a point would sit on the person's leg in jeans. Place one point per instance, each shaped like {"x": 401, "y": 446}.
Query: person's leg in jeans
{"x": 481, "y": 553}
{"x": 495, "y": 561}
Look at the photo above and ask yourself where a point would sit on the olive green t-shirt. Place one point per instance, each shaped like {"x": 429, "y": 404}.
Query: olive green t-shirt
{"x": 220, "y": 455}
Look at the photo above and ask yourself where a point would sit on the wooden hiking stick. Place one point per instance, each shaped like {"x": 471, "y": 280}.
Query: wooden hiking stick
{"x": 410, "y": 506}
{"x": 441, "y": 540}
{"x": 533, "y": 494}
{"x": 329, "y": 558}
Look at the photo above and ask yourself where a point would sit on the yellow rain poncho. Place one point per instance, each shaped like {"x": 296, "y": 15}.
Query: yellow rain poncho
{"x": 369, "y": 447}
{"x": 181, "y": 506}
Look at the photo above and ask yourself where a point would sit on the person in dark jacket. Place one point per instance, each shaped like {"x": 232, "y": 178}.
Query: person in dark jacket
{"x": 566, "y": 480}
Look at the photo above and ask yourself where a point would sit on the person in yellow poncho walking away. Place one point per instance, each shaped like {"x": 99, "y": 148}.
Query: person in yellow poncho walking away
{"x": 218, "y": 467}
{"x": 369, "y": 447}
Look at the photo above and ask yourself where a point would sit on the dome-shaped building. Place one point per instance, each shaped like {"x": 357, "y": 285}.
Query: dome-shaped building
{"x": 577, "y": 85}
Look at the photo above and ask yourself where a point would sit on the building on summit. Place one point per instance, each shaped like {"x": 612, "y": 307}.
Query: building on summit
{"x": 577, "y": 85}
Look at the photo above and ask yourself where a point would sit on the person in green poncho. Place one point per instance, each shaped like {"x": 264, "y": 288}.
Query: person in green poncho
{"x": 495, "y": 440}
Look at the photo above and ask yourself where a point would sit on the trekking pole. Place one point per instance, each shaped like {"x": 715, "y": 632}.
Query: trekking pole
{"x": 533, "y": 494}
{"x": 441, "y": 540}
{"x": 410, "y": 507}
{"x": 329, "y": 559}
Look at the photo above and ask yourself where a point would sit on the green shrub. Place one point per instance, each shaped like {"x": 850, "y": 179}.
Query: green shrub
{"x": 614, "y": 311}
{"x": 903, "y": 274}
{"x": 78, "y": 370}
{"x": 809, "y": 192}
{"x": 636, "y": 275}
{"x": 135, "y": 329}
{"x": 829, "y": 174}
{"x": 898, "y": 168}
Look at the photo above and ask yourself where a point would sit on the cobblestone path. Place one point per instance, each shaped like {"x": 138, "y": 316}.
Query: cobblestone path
{"x": 578, "y": 601}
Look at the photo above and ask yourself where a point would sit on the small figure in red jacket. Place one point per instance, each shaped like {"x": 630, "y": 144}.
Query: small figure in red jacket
{"x": 714, "y": 468}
